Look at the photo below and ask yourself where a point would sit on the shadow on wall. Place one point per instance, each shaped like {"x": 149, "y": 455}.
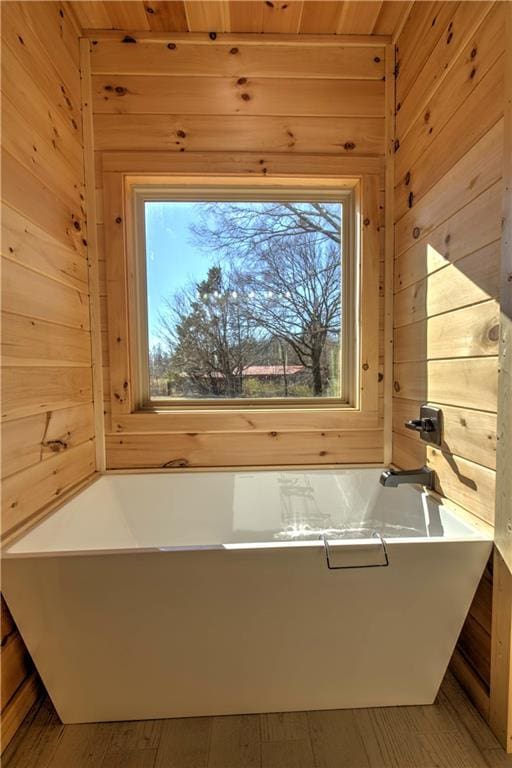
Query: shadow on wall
{"x": 446, "y": 334}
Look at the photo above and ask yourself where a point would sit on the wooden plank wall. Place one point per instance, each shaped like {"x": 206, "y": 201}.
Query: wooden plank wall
{"x": 448, "y": 201}
{"x": 201, "y": 101}
{"x": 47, "y": 412}
{"x": 501, "y": 651}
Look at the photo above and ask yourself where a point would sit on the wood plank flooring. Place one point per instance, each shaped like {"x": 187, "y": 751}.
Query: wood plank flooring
{"x": 448, "y": 734}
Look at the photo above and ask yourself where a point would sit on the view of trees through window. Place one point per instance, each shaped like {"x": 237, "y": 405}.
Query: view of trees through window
{"x": 244, "y": 299}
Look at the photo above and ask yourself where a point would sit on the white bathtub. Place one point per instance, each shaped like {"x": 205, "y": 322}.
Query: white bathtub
{"x": 166, "y": 595}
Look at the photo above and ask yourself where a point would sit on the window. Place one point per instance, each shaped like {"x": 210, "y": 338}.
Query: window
{"x": 245, "y": 295}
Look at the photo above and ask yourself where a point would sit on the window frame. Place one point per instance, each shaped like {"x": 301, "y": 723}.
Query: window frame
{"x": 121, "y": 170}
{"x": 212, "y": 190}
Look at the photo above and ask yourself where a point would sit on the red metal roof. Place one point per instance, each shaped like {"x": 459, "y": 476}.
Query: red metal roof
{"x": 271, "y": 370}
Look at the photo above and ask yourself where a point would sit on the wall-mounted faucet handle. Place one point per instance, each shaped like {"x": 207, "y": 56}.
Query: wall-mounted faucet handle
{"x": 429, "y": 425}
{"x": 421, "y": 425}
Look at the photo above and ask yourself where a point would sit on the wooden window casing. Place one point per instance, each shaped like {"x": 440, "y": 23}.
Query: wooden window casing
{"x": 137, "y": 196}
{"x": 124, "y": 171}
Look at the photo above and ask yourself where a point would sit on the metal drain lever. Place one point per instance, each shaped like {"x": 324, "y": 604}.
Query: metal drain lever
{"x": 356, "y": 553}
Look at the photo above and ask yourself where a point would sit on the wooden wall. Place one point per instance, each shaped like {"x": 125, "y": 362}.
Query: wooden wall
{"x": 257, "y": 105}
{"x": 202, "y": 101}
{"x": 448, "y": 202}
{"x": 47, "y": 412}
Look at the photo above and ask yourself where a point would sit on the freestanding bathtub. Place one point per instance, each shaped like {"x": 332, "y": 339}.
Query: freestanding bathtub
{"x": 164, "y": 595}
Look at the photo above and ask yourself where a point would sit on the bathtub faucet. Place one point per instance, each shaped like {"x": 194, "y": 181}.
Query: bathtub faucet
{"x": 391, "y": 478}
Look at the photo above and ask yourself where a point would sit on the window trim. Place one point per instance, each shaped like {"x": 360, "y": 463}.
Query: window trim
{"x": 212, "y": 190}
{"x": 122, "y": 169}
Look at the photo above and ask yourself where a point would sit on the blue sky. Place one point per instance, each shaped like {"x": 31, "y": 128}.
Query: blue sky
{"x": 172, "y": 259}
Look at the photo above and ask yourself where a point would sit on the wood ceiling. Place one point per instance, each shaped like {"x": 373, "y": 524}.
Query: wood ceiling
{"x": 240, "y": 16}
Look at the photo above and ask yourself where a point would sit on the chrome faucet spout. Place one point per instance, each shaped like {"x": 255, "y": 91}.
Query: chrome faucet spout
{"x": 392, "y": 478}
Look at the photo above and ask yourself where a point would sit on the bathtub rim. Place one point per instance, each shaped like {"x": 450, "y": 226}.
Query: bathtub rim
{"x": 484, "y": 531}
{"x": 240, "y": 547}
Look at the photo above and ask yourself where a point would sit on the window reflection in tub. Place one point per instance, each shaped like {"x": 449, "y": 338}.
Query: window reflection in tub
{"x": 301, "y": 506}
{"x": 301, "y": 517}
{"x": 358, "y": 510}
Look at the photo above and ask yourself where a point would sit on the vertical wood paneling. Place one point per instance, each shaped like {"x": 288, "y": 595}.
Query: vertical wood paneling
{"x": 319, "y": 17}
{"x": 343, "y": 17}
{"x": 93, "y": 256}
{"x": 207, "y": 17}
{"x": 165, "y": 16}
{"x": 389, "y": 246}
{"x": 357, "y": 18}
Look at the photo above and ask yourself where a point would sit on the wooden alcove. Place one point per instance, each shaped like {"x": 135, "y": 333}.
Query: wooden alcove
{"x": 414, "y": 98}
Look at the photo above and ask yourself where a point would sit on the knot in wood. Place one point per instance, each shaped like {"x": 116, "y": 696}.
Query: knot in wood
{"x": 56, "y": 445}
{"x": 175, "y": 463}
{"x": 494, "y": 333}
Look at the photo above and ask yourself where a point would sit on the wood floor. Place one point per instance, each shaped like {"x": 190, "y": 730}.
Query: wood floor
{"x": 449, "y": 734}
